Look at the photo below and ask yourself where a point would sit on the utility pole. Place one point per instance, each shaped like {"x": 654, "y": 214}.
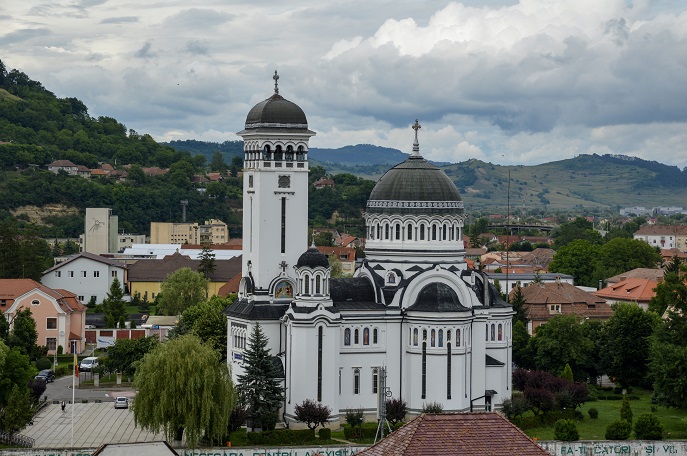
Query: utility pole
{"x": 507, "y": 240}
{"x": 382, "y": 394}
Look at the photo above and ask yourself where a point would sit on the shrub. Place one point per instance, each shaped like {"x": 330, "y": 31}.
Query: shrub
{"x": 593, "y": 413}
{"x": 60, "y": 371}
{"x": 312, "y": 413}
{"x": 567, "y": 373}
{"x": 618, "y": 430}
{"x": 648, "y": 427}
{"x": 237, "y": 418}
{"x": 566, "y": 430}
{"x": 354, "y": 417}
{"x": 432, "y": 407}
{"x": 515, "y": 406}
{"x": 43, "y": 363}
{"x": 626, "y": 410}
{"x": 396, "y": 410}
{"x": 60, "y": 349}
{"x": 325, "y": 434}
{"x": 281, "y": 437}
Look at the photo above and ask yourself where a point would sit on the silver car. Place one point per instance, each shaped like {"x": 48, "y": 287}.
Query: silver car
{"x": 121, "y": 402}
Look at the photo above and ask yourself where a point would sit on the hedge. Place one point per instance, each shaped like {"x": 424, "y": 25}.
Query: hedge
{"x": 546, "y": 419}
{"x": 325, "y": 433}
{"x": 281, "y": 437}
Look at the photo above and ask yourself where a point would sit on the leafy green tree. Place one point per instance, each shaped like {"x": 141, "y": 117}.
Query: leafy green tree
{"x": 626, "y": 348}
{"x": 621, "y": 254}
{"x": 595, "y": 331}
{"x": 566, "y": 431}
{"x": 182, "y": 289}
{"x": 577, "y": 258}
{"x": 668, "y": 360}
{"x": 522, "y": 354}
{"x": 198, "y": 401}
{"x": 670, "y": 293}
{"x": 578, "y": 229}
{"x": 559, "y": 342}
{"x": 335, "y": 266}
{"x": 4, "y": 327}
{"x": 217, "y": 163}
{"x": 207, "y": 321}
{"x": 114, "y": 305}
{"x": 24, "y": 334}
{"x": 125, "y": 354}
{"x": 396, "y": 410}
{"x": 15, "y": 369}
{"x": 18, "y": 411}
{"x": 312, "y": 413}
{"x": 260, "y": 386}
{"x": 207, "y": 261}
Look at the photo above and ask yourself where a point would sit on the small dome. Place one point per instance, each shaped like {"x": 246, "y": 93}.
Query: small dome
{"x": 276, "y": 111}
{"x": 312, "y": 258}
{"x": 415, "y": 186}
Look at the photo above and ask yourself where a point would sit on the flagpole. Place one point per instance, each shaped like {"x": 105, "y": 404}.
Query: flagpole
{"x": 73, "y": 393}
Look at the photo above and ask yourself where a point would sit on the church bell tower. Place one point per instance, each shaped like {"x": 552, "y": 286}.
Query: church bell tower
{"x": 275, "y": 197}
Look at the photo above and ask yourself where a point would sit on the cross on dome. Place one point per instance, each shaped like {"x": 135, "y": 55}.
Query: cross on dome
{"x": 416, "y": 145}
{"x": 276, "y": 82}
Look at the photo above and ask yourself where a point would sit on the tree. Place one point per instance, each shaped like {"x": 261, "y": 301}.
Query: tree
{"x": 566, "y": 431}
{"x": 578, "y": 229}
{"x": 217, "y": 163}
{"x": 114, "y": 305}
{"x": 184, "y": 389}
{"x": 24, "y": 334}
{"x": 207, "y": 261}
{"x": 207, "y": 321}
{"x": 15, "y": 369}
{"x": 626, "y": 410}
{"x": 4, "y": 327}
{"x": 621, "y": 254}
{"x": 182, "y": 289}
{"x": 522, "y": 353}
{"x": 559, "y": 342}
{"x": 312, "y": 413}
{"x": 670, "y": 293}
{"x": 259, "y": 386}
{"x": 396, "y": 410}
{"x": 335, "y": 266}
{"x": 518, "y": 302}
{"x": 18, "y": 411}
{"x": 626, "y": 348}
{"x": 577, "y": 258}
{"x": 126, "y": 354}
{"x": 567, "y": 373}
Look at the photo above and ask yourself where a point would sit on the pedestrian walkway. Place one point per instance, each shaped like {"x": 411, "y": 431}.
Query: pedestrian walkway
{"x": 94, "y": 425}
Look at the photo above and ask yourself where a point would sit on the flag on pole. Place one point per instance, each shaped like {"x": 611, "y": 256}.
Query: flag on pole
{"x": 76, "y": 366}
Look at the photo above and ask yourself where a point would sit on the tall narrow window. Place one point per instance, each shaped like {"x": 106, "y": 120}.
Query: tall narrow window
{"x": 434, "y": 232}
{"x": 347, "y": 336}
{"x": 375, "y": 380}
{"x": 433, "y": 338}
{"x": 374, "y": 336}
{"x": 493, "y": 332}
{"x": 441, "y": 337}
{"x": 415, "y": 342}
{"x": 422, "y": 232}
{"x": 424, "y": 370}
{"x": 366, "y": 336}
{"x": 457, "y": 337}
{"x": 443, "y": 235}
{"x": 386, "y": 231}
{"x": 448, "y": 371}
{"x": 317, "y": 285}
{"x": 379, "y": 231}
{"x": 283, "y": 225}
{"x": 410, "y": 233}
{"x": 398, "y": 232}
{"x": 306, "y": 288}
{"x": 319, "y": 364}
{"x": 500, "y": 332}
{"x": 356, "y": 336}
{"x": 356, "y": 381}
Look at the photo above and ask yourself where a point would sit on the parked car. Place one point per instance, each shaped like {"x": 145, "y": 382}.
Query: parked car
{"x": 88, "y": 364}
{"x": 121, "y": 402}
{"x": 47, "y": 375}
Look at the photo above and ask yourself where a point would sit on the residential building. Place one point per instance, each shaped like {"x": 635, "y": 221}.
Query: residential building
{"x": 63, "y": 165}
{"x": 125, "y": 241}
{"x": 634, "y": 289}
{"x": 412, "y": 306}
{"x": 323, "y": 183}
{"x": 637, "y": 273}
{"x": 546, "y": 300}
{"x": 87, "y": 275}
{"x": 345, "y": 255}
{"x": 522, "y": 277}
{"x": 60, "y": 316}
{"x": 211, "y": 232}
{"x": 146, "y": 276}
{"x": 663, "y": 236}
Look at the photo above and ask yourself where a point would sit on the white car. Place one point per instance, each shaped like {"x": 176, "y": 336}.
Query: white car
{"x": 88, "y": 364}
{"x": 121, "y": 402}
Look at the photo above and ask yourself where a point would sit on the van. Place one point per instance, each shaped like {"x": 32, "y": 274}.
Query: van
{"x": 88, "y": 364}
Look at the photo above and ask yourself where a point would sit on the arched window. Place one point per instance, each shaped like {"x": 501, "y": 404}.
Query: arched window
{"x": 415, "y": 337}
{"x": 398, "y": 231}
{"x": 433, "y": 340}
{"x": 266, "y": 152}
{"x": 457, "y": 337}
{"x": 386, "y": 231}
{"x": 500, "y": 335}
{"x": 493, "y": 332}
{"x": 278, "y": 154}
{"x": 356, "y": 336}
{"x": 356, "y": 381}
{"x": 422, "y": 232}
{"x": 347, "y": 336}
{"x": 374, "y": 336}
{"x": 289, "y": 152}
{"x": 410, "y": 233}
{"x": 441, "y": 337}
{"x": 306, "y": 280}
{"x": 486, "y": 330}
{"x": 366, "y": 336}
{"x": 318, "y": 285}
{"x": 434, "y": 232}
{"x": 379, "y": 231}
{"x": 443, "y": 234}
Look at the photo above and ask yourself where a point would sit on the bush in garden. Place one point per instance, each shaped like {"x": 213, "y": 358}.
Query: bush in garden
{"x": 648, "y": 427}
{"x": 626, "y": 410}
{"x": 566, "y": 430}
{"x": 618, "y": 430}
{"x": 432, "y": 407}
{"x": 396, "y": 410}
{"x": 312, "y": 413}
{"x": 593, "y": 413}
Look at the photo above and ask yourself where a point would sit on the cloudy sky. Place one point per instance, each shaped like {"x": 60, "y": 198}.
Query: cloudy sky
{"x": 499, "y": 80}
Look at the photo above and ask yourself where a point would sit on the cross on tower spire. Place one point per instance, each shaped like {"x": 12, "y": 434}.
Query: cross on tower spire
{"x": 416, "y": 145}
{"x": 276, "y": 82}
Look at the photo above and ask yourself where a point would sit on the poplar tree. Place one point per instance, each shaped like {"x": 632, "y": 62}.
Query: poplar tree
{"x": 260, "y": 387}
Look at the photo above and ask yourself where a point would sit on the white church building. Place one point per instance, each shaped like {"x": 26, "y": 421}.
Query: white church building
{"x": 440, "y": 330}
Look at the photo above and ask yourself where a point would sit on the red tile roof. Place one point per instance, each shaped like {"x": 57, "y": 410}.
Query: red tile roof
{"x": 465, "y": 434}
{"x": 661, "y": 230}
{"x": 339, "y": 251}
{"x": 633, "y": 290}
{"x": 10, "y": 289}
{"x": 572, "y": 301}
{"x": 232, "y": 286}
{"x": 639, "y": 273}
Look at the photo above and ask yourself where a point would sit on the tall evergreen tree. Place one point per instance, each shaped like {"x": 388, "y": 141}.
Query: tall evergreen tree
{"x": 114, "y": 305}
{"x": 260, "y": 387}
{"x": 24, "y": 334}
{"x": 518, "y": 302}
{"x": 207, "y": 261}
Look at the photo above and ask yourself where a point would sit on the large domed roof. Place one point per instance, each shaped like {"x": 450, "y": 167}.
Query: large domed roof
{"x": 415, "y": 186}
{"x": 276, "y": 111}
{"x": 312, "y": 258}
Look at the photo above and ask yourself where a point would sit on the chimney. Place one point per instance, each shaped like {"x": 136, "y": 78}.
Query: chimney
{"x": 601, "y": 284}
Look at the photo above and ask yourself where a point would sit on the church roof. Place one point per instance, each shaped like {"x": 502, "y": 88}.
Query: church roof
{"x": 351, "y": 290}
{"x": 312, "y": 258}
{"x": 250, "y": 310}
{"x": 437, "y": 297}
{"x": 274, "y": 111}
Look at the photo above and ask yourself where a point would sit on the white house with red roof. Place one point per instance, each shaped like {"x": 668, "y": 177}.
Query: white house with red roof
{"x": 60, "y": 317}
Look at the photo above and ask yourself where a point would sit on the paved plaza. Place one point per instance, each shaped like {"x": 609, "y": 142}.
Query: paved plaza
{"x": 94, "y": 425}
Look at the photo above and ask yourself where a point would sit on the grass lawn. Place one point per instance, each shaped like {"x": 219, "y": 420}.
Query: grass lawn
{"x": 674, "y": 421}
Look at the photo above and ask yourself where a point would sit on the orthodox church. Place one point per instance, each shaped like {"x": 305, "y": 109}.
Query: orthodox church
{"x": 414, "y": 321}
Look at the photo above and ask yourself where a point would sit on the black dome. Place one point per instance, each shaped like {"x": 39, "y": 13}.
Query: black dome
{"x": 415, "y": 186}
{"x": 437, "y": 297}
{"x": 276, "y": 111}
{"x": 312, "y": 258}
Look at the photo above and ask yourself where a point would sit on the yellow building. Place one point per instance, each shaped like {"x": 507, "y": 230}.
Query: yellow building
{"x": 146, "y": 276}
{"x": 211, "y": 232}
